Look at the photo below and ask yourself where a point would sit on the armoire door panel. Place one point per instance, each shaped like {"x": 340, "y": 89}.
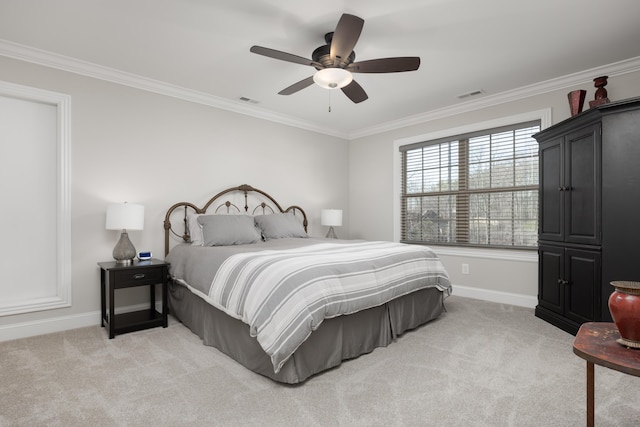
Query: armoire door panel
{"x": 582, "y": 180}
{"x": 582, "y": 271}
{"x": 551, "y": 273}
{"x": 551, "y": 204}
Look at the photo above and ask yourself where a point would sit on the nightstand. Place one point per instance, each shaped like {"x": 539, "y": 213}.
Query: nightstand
{"x": 139, "y": 273}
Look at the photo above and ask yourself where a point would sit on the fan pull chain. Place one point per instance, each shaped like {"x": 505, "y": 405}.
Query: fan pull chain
{"x": 330, "y": 97}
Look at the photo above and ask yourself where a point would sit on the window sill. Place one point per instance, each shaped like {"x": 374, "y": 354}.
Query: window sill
{"x": 497, "y": 254}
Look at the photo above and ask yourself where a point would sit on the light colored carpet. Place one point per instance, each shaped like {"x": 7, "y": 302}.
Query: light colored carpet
{"x": 480, "y": 364}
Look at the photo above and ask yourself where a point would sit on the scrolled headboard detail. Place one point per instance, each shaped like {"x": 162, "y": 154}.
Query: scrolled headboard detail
{"x": 267, "y": 205}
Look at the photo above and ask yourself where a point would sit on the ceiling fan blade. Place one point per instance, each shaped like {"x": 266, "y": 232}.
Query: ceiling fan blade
{"x": 283, "y": 56}
{"x": 355, "y": 92}
{"x": 297, "y": 86}
{"x": 386, "y": 65}
{"x": 345, "y": 37}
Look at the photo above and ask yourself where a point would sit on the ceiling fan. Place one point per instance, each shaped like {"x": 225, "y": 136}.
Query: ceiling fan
{"x": 334, "y": 61}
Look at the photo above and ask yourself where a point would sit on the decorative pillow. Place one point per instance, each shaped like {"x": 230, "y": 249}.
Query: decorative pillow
{"x": 276, "y": 226}
{"x": 195, "y": 229}
{"x": 224, "y": 230}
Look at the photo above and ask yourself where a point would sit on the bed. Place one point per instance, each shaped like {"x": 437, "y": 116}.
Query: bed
{"x": 249, "y": 281}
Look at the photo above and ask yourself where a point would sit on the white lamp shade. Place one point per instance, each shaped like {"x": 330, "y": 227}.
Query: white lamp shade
{"x": 331, "y": 217}
{"x": 125, "y": 216}
{"x": 332, "y": 78}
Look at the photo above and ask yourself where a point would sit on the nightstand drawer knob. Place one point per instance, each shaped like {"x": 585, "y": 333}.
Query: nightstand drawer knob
{"x": 138, "y": 276}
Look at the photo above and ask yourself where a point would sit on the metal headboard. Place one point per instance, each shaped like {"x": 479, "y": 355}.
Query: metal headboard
{"x": 270, "y": 205}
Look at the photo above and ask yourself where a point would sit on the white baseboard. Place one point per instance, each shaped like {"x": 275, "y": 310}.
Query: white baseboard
{"x": 48, "y": 326}
{"x": 495, "y": 296}
{"x": 59, "y": 324}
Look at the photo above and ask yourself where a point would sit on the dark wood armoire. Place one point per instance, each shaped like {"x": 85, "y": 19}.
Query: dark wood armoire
{"x": 589, "y": 207}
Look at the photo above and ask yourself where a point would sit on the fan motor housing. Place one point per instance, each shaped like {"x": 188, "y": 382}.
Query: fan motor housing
{"x": 323, "y": 55}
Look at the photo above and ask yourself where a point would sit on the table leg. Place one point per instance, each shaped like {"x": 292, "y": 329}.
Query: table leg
{"x": 103, "y": 303}
{"x": 112, "y": 305}
{"x": 165, "y": 308}
{"x": 152, "y": 297}
{"x": 590, "y": 400}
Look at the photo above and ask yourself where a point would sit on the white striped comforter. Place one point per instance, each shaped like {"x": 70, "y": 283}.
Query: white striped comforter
{"x": 284, "y": 295}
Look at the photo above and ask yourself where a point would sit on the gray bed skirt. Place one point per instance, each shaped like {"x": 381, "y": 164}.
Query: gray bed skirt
{"x": 336, "y": 339}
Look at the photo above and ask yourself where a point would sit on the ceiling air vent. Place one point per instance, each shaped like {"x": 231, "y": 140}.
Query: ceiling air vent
{"x": 470, "y": 94}
{"x": 249, "y": 100}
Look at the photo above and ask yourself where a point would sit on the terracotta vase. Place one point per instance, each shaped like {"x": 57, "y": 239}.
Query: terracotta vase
{"x": 576, "y": 101}
{"x": 624, "y": 305}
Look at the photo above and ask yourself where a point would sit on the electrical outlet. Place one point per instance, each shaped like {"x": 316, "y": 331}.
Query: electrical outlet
{"x": 465, "y": 268}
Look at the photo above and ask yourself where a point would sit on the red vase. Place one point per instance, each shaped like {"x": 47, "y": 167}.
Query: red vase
{"x": 624, "y": 305}
{"x": 576, "y": 101}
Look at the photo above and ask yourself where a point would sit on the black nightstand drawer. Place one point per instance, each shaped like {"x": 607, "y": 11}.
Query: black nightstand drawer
{"x": 137, "y": 276}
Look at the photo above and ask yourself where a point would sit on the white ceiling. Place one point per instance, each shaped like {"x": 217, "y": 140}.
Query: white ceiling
{"x": 203, "y": 46}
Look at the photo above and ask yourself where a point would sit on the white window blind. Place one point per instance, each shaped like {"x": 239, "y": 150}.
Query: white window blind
{"x": 478, "y": 189}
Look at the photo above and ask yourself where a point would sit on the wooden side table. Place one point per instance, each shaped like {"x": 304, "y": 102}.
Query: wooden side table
{"x": 596, "y": 343}
{"x": 139, "y": 273}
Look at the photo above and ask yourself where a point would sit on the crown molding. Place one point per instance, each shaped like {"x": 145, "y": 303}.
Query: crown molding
{"x": 65, "y": 63}
{"x": 84, "y": 68}
{"x": 618, "y": 68}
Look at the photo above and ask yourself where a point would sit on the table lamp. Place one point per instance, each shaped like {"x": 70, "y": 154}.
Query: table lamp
{"x": 124, "y": 216}
{"x": 331, "y": 218}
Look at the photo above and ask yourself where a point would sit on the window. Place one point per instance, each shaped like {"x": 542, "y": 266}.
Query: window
{"x": 476, "y": 189}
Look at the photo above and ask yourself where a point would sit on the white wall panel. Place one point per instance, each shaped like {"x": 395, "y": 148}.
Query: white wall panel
{"x": 34, "y": 259}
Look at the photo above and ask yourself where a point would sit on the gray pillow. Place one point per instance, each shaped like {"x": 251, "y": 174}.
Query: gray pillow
{"x": 224, "y": 230}
{"x": 276, "y": 226}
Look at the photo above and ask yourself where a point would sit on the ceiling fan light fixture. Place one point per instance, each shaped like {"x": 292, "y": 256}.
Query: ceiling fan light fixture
{"x": 332, "y": 78}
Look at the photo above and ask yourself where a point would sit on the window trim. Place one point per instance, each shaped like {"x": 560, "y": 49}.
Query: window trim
{"x": 544, "y": 115}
